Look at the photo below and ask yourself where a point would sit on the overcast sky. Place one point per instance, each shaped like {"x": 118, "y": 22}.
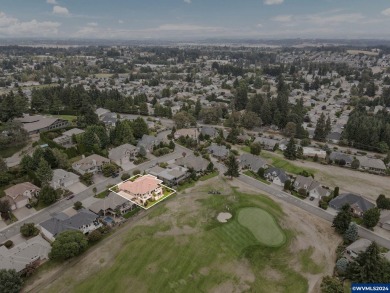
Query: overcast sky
{"x": 186, "y": 19}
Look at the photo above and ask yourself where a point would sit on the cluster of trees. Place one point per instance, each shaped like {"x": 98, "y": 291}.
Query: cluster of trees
{"x": 72, "y": 99}
{"x": 369, "y": 267}
{"x": 342, "y": 220}
{"x": 292, "y": 151}
{"x": 10, "y": 281}
{"x": 367, "y": 131}
{"x": 13, "y": 105}
{"x": 13, "y": 135}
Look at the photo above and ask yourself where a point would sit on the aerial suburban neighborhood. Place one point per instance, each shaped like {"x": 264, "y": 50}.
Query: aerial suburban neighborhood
{"x": 222, "y": 165}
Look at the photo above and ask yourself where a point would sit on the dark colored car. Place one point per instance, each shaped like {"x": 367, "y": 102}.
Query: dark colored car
{"x": 70, "y": 196}
{"x": 28, "y": 206}
{"x": 114, "y": 175}
{"x": 311, "y": 198}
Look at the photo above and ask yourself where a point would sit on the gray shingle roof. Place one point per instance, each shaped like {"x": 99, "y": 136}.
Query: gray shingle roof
{"x": 351, "y": 199}
{"x": 251, "y": 161}
{"x": 61, "y": 222}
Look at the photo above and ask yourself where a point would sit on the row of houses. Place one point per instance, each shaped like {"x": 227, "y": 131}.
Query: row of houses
{"x": 365, "y": 163}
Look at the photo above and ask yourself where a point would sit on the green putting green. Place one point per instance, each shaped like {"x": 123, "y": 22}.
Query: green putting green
{"x": 262, "y": 225}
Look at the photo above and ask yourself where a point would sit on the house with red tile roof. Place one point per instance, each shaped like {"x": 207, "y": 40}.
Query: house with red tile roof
{"x": 142, "y": 189}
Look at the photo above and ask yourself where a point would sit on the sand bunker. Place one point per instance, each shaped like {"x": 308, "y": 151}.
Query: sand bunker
{"x": 224, "y": 217}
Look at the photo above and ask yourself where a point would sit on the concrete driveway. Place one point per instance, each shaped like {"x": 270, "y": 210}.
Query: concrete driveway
{"x": 23, "y": 212}
{"x": 2, "y": 224}
{"x": 97, "y": 178}
{"x": 77, "y": 187}
{"x": 126, "y": 166}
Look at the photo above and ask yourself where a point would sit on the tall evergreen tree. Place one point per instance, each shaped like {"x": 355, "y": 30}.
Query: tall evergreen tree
{"x": 369, "y": 267}
{"x": 232, "y": 166}
{"x": 342, "y": 220}
{"x": 44, "y": 172}
{"x": 291, "y": 151}
{"x": 320, "y": 130}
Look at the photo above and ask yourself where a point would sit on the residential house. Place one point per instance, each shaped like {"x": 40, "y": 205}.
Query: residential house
{"x": 36, "y": 124}
{"x": 252, "y": 162}
{"x": 91, "y": 164}
{"x": 31, "y": 251}
{"x": 208, "y": 131}
{"x": 190, "y": 132}
{"x": 142, "y": 189}
{"x": 357, "y": 247}
{"x": 123, "y": 153}
{"x": 109, "y": 119}
{"x": 312, "y": 187}
{"x": 84, "y": 221}
{"x": 276, "y": 176}
{"x": 63, "y": 179}
{"x": 267, "y": 143}
{"x": 218, "y": 151}
{"x": 337, "y": 157}
{"x": 198, "y": 164}
{"x": 21, "y": 194}
{"x": 358, "y": 204}
{"x": 312, "y": 152}
{"x": 112, "y": 204}
{"x": 170, "y": 175}
{"x": 148, "y": 142}
{"x": 384, "y": 220}
{"x": 334, "y": 137}
{"x": 65, "y": 140}
{"x": 101, "y": 111}
{"x": 372, "y": 165}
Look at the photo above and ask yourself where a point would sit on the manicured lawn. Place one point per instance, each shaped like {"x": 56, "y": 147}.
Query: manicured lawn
{"x": 102, "y": 194}
{"x": 209, "y": 176}
{"x": 151, "y": 261}
{"x": 284, "y": 164}
{"x": 255, "y": 176}
{"x": 69, "y": 118}
{"x": 262, "y": 225}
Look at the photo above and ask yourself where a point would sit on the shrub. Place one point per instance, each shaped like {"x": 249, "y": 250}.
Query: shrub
{"x": 77, "y": 205}
{"x": 8, "y": 243}
{"x": 323, "y": 204}
{"x": 125, "y": 176}
{"x": 28, "y": 230}
{"x": 136, "y": 172}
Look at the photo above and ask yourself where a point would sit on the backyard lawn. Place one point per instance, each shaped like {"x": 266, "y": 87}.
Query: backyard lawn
{"x": 69, "y": 118}
{"x": 286, "y": 165}
{"x": 153, "y": 256}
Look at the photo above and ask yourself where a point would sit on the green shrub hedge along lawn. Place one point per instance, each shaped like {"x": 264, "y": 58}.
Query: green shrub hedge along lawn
{"x": 153, "y": 262}
{"x": 262, "y": 225}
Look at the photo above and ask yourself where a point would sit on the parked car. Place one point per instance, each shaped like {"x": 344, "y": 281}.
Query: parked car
{"x": 311, "y": 198}
{"x": 28, "y": 206}
{"x": 114, "y": 175}
{"x": 70, "y": 197}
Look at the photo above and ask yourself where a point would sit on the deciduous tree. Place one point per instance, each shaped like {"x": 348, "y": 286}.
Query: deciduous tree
{"x": 68, "y": 244}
